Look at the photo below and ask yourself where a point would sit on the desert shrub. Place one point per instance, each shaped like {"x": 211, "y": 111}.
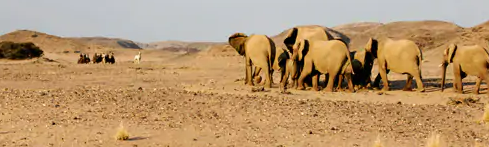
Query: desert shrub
{"x": 26, "y": 50}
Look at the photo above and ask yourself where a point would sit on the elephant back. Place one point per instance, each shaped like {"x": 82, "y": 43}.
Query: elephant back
{"x": 312, "y": 33}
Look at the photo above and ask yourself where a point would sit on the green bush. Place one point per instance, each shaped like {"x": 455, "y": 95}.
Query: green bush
{"x": 26, "y": 50}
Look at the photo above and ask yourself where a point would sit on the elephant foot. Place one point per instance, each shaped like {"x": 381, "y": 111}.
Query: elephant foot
{"x": 328, "y": 90}
{"x": 407, "y": 89}
{"x": 476, "y": 92}
{"x": 300, "y": 88}
{"x": 283, "y": 89}
{"x": 315, "y": 89}
{"x": 250, "y": 84}
{"x": 385, "y": 89}
{"x": 258, "y": 79}
{"x": 421, "y": 90}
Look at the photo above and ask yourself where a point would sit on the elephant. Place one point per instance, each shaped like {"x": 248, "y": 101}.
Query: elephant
{"x": 298, "y": 33}
{"x": 362, "y": 64}
{"x": 401, "y": 56}
{"x": 258, "y": 50}
{"x": 467, "y": 60}
{"x": 330, "y": 57}
{"x": 282, "y": 63}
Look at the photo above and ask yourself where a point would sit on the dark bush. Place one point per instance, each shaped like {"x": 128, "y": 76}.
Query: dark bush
{"x": 26, "y": 50}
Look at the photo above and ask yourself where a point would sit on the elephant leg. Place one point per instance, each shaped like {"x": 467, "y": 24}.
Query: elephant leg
{"x": 306, "y": 70}
{"x": 256, "y": 75}
{"x": 419, "y": 81}
{"x": 284, "y": 80}
{"x": 282, "y": 74}
{"x": 409, "y": 81}
{"x": 249, "y": 72}
{"x": 478, "y": 84}
{"x": 383, "y": 75}
{"x": 268, "y": 81}
{"x": 340, "y": 81}
{"x": 486, "y": 78}
{"x": 369, "y": 83}
{"x": 376, "y": 84}
{"x": 329, "y": 87}
{"x": 308, "y": 81}
{"x": 314, "y": 78}
{"x": 350, "y": 82}
{"x": 457, "y": 84}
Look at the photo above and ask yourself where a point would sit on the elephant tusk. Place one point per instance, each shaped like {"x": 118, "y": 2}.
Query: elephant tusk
{"x": 440, "y": 65}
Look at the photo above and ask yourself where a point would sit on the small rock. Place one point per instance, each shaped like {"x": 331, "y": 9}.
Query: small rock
{"x": 53, "y": 123}
{"x": 140, "y": 88}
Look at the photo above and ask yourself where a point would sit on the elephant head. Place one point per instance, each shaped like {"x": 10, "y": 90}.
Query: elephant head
{"x": 448, "y": 55}
{"x": 372, "y": 47}
{"x": 237, "y": 41}
{"x": 299, "y": 50}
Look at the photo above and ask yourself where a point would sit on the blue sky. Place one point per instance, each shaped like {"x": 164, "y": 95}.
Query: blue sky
{"x": 215, "y": 20}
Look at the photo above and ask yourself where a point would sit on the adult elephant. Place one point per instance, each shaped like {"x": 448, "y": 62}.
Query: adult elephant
{"x": 300, "y": 33}
{"x": 401, "y": 56}
{"x": 467, "y": 60}
{"x": 258, "y": 50}
{"x": 281, "y": 63}
{"x": 326, "y": 57}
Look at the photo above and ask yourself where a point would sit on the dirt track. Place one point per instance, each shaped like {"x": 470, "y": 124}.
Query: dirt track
{"x": 200, "y": 101}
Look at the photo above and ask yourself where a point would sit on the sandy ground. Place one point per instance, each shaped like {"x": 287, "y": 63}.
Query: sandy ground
{"x": 196, "y": 100}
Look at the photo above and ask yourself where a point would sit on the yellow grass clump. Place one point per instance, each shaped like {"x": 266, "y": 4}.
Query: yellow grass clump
{"x": 378, "y": 142}
{"x": 433, "y": 141}
{"x": 122, "y": 133}
{"x": 485, "y": 116}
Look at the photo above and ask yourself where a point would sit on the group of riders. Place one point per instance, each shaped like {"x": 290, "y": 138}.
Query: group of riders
{"x": 97, "y": 58}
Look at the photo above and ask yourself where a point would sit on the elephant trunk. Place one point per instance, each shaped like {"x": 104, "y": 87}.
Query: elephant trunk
{"x": 443, "y": 76}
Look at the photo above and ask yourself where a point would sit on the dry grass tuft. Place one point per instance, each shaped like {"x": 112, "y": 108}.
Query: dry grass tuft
{"x": 378, "y": 142}
{"x": 433, "y": 141}
{"x": 122, "y": 133}
{"x": 485, "y": 116}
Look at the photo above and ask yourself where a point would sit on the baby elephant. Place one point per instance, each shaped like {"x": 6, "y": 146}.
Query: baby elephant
{"x": 467, "y": 60}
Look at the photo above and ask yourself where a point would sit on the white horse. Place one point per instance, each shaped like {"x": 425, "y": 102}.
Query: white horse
{"x": 137, "y": 58}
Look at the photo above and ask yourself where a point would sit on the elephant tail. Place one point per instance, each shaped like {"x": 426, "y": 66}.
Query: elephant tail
{"x": 420, "y": 57}
{"x": 348, "y": 65}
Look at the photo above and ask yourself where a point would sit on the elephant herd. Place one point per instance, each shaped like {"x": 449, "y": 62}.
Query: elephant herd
{"x": 310, "y": 52}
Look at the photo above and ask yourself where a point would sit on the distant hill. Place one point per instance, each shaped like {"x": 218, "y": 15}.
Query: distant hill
{"x": 109, "y": 42}
{"x": 49, "y": 43}
{"x": 178, "y": 46}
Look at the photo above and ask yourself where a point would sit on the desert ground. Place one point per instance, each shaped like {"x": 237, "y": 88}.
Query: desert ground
{"x": 199, "y": 99}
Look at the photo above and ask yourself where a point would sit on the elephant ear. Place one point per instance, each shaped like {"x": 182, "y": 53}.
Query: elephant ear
{"x": 301, "y": 47}
{"x": 237, "y": 41}
{"x": 372, "y": 47}
{"x": 452, "y": 48}
{"x": 290, "y": 39}
{"x": 282, "y": 58}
